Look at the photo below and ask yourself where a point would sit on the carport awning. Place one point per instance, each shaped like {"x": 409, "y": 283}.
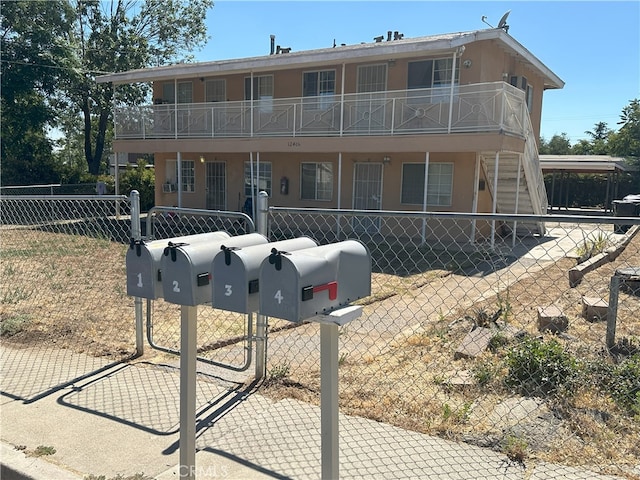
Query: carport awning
{"x": 582, "y": 164}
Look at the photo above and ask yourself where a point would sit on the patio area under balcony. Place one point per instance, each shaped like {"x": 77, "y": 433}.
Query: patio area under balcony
{"x": 478, "y": 108}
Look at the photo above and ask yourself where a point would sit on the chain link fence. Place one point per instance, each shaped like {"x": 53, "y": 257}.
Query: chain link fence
{"x": 515, "y": 344}
{"x": 225, "y": 338}
{"x": 61, "y": 273}
{"x": 477, "y": 336}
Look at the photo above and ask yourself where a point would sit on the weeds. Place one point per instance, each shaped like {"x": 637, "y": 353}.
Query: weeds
{"x": 591, "y": 247}
{"x": 13, "y": 325}
{"x": 539, "y": 368}
{"x": 515, "y": 448}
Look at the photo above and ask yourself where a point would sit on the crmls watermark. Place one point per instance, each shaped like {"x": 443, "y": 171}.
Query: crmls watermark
{"x": 203, "y": 473}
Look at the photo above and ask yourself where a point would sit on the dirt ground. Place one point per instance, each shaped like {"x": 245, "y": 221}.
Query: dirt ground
{"x": 399, "y": 367}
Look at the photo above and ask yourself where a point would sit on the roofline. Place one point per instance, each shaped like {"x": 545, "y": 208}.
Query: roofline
{"x": 444, "y": 43}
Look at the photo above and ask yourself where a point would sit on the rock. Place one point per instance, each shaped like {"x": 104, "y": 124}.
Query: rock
{"x": 594, "y": 309}
{"x": 476, "y": 342}
{"x": 552, "y": 319}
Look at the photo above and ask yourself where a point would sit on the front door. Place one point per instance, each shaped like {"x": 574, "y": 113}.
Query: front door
{"x": 216, "y": 179}
{"x": 367, "y": 195}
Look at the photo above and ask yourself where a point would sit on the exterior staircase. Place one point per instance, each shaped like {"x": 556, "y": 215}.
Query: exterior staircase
{"x": 520, "y": 184}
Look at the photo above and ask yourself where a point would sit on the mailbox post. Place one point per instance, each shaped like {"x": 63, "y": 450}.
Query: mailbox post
{"x": 318, "y": 284}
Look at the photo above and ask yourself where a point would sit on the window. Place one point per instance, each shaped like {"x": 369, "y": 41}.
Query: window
{"x": 439, "y": 186}
{"x": 316, "y": 181}
{"x": 262, "y": 91}
{"x": 319, "y": 84}
{"x": 188, "y": 174}
{"x": 372, "y": 78}
{"x": 529, "y": 97}
{"x": 434, "y": 74}
{"x": 185, "y": 92}
{"x": 263, "y": 178}
{"x": 215, "y": 90}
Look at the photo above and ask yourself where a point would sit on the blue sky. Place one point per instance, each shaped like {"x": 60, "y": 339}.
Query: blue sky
{"x": 594, "y": 47}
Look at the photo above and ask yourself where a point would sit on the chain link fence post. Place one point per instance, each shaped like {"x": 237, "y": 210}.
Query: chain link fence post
{"x": 136, "y": 234}
{"x": 262, "y": 212}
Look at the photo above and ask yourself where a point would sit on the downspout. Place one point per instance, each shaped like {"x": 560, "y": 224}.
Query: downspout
{"x": 453, "y": 78}
{"x": 179, "y": 165}
{"x": 342, "y": 103}
{"x": 251, "y": 109}
{"x": 424, "y": 198}
{"x": 175, "y": 110}
{"x": 338, "y": 230}
{"x": 494, "y": 207}
{"x": 474, "y": 203}
{"x": 252, "y": 184}
{"x": 254, "y": 192}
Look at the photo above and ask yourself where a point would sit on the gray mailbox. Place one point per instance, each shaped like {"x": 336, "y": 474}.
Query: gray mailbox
{"x": 186, "y": 268}
{"x": 143, "y": 262}
{"x": 305, "y": 283}
{"x": 236, "y": 273}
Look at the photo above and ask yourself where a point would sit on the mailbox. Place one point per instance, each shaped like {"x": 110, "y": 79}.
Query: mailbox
{"x": 236, "y": 273}
{"x": 144, "y": 277}
{"x": 305, "y": 283}
{"x": 186, "y": 268}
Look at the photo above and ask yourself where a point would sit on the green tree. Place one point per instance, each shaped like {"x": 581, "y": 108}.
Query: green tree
{"x": 34, "y": 56}
{"x": 141, "y": 179}
{"x": 626, "y": 141}
{"x": 597, "y": 145}
{"x": 558, "y": 145}
{"x": 120, "y": 35}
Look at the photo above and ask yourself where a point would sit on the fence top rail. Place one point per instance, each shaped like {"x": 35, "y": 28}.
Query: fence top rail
{"x": 463, "y": 215}
{"x": 200, "y": 211}
{"x": 65, "y": 197}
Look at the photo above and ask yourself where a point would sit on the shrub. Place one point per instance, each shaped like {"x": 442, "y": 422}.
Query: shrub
{"x": 538, "y": 367}
{"x": 625, "y": 385}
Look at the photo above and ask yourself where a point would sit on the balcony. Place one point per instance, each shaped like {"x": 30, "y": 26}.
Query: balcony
{"x": 477, "y": 108}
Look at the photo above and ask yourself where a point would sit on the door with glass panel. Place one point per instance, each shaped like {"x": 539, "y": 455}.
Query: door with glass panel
{"x": 216, "y": 186}
{"x": 368, "y": 109}
{"x": 367, "y": 195}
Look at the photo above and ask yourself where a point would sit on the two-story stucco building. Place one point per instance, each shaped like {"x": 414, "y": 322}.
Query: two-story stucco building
{"x": 440, "y": 123}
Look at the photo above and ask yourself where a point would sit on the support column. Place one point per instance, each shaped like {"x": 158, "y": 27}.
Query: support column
{"x": 494, "y": 206}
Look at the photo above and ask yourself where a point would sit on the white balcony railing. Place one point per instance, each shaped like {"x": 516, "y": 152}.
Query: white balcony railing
{"x": 485, "y": 107}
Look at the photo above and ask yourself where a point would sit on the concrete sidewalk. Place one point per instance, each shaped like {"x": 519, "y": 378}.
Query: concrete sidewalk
{"x": 123, "y": 419}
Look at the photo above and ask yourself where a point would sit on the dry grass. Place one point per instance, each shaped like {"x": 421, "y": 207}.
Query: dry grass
{"x": 76, "y": 299}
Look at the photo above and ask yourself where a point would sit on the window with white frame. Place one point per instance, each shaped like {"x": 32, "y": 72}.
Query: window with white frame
{"x": 434, "y": 74}
{"x": 322, "y": 86}
{"x": 215, "y": 90}
{"x": 185, "y": 92}
{"x": 262, "y": 91}
{"x": 316, "y": 181}
{"x": 261, "y": 177}
{"x": 188, "y": 175}
{"x": 372, "y": 78}
{"x": 439, "y": 184}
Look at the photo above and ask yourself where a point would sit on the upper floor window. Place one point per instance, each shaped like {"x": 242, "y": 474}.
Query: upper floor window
{"x": 372, "y": 78}
{"x": 319, "y": 84}
{"x": 523, "y": 84}
{"x": 215, "y": 90}
{"x": 433, "y": 74}
{"x": 439, "y": 184}
{"x": 316, "y": 181}
{"x": 262, "y": 91}
{"x": 185, "y": 92}
{"x": 262, "y": 87}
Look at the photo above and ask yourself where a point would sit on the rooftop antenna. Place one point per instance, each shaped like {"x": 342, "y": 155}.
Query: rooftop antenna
{"x": 501, "y": 24}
